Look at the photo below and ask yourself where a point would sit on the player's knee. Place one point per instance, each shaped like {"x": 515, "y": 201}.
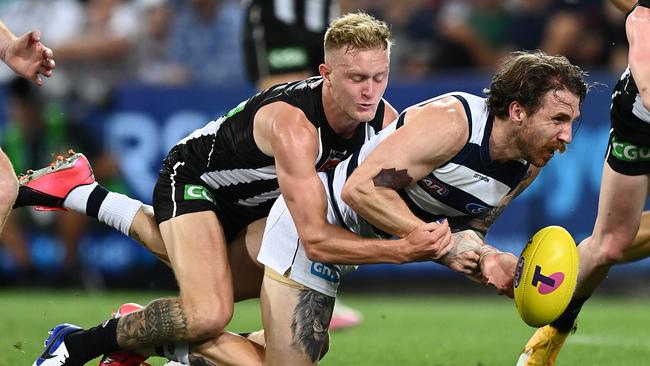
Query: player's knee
{"x": 209, "y": 323}
{"x": 9, "y": 189}
{"x": 612, "y": 250}
{"x": 611, "y": 255}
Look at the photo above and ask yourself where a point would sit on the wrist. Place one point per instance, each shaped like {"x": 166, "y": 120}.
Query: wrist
{"x": 402, "y": 254}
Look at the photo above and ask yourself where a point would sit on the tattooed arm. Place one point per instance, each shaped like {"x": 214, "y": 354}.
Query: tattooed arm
{"x": 498, "y": 270}
{"x": 432, "y": 134}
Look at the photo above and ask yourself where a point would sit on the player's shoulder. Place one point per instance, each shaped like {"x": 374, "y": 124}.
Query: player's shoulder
{"x": 449, "y": 111}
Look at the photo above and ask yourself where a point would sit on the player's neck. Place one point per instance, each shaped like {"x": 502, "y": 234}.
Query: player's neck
{"x": 504, "y": 139}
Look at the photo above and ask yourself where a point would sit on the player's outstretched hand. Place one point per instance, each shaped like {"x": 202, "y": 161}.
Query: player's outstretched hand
{"x": 428, "y": 241}
{"x": 498, "y": 270}
{"x": 28, "y": 57}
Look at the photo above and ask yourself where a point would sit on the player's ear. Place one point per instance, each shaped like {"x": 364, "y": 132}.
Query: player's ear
{"x": 517, "y": 112}
{"x": 325, "y": 71}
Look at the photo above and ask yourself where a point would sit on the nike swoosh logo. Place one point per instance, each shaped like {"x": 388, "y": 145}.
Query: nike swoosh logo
{"x": 46, "y": 353}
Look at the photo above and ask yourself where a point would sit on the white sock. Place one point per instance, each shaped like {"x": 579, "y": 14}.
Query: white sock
{"x": 113, "y": 209}
{"x": 77, "y": 199}
{"x": 118, "y": 211}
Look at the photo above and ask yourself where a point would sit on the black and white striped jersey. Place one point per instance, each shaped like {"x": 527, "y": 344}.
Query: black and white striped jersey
{"x": 224, "y": 155}
{"x": 309, "y": 15}
{"x": 466, "y": 187}
{"x": 630, "y": 119}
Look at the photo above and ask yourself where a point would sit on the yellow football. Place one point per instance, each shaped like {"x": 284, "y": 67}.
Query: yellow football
{"x": 546, "y": 276}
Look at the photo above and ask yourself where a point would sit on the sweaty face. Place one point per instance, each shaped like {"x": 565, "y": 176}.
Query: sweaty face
{"x": 549, "y": 129}
{"x": 358, "y": 81}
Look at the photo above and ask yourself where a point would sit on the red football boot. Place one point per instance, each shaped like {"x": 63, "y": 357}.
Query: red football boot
{"x": 48, "y": 187}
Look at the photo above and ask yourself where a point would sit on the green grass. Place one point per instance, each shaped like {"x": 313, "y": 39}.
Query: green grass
{"x": 397, "y": 330}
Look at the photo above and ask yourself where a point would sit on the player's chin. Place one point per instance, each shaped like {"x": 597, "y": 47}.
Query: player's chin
{"x": 365, "y": 113}
{"x": 542, "y": 160}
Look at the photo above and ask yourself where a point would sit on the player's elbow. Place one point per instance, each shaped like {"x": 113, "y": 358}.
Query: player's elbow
{"x": 354, "y": 195}
{"x": 312, "y": 243}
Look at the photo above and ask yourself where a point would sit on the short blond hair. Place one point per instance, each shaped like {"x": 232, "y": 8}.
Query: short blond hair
{"x": 357, "y": 31}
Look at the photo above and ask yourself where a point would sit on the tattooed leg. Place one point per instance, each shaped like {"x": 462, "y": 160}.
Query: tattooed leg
{"x": 311, "y": 319}
{"x": 162, "y": 321}
{"x": 296, "y": 320}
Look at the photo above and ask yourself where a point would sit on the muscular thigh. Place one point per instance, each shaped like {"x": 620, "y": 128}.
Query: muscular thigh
{"x": 296, "y": 320}
{"x": 621, "y": 202}
{"x": 246, "y": 271}
{"x": 197, "y": 251}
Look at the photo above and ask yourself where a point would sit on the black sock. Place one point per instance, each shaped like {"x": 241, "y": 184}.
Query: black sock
{"x": 95, "y": 200}
{"x": 565, "y": 322}
{"x": 85, "y": 345}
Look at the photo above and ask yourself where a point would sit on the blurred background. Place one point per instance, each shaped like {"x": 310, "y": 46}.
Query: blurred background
{"x": 134, "y": 77}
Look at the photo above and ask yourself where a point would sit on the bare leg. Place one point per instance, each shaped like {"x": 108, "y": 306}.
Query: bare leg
{"x": 247, "y": 272}
{"x": 640, "y": 249}
{"x": 9, "y": 190}
{"x": 228, "y": 348}
{"x": 145, "y": 231}
{"x": 620, "y": 206}
{"x": 197, "y": 251}
{"x": 295, "y": 320}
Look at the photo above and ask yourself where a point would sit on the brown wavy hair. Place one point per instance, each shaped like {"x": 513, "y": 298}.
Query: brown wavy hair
{"x": 527, "y": 76}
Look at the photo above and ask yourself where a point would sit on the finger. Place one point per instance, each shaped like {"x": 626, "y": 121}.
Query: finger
{"x": 445, "y": 247}
{"x": 430, "y": 226}
{"x": 35, "y": 36}
{"x": 48, "y": 53}
{"x": 45, "y": 72}
{"x": 48, "y": 64}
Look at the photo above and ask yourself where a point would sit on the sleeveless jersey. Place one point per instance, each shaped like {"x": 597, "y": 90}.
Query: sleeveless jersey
{"x": 309, "y": 15}
{"x": 630, "y": 119}
{"x": 225, "y": 156}
{"x": 466, "y": 187}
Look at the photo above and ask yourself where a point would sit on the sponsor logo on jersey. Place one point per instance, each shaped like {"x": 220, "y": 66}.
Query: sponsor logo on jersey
{"x": 476, "y": 209}
{"x": 196, "y": 192}
{"x": 547, "y": 284}
{"x": 287, "y": 57}
{"x": 481, "y": 177}
{"x": 325, "y": 271}
{"x": 629, "y": 152}
{"x": 435, "y": 186}
{"x": 333, "y": 160}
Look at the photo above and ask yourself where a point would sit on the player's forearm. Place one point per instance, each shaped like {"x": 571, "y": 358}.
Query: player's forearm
{"x": 384, "y": 209}
{"x": 339, "y": 246}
